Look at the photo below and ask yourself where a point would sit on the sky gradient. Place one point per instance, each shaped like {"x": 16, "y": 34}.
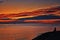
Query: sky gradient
{"x": 17, "y": 6}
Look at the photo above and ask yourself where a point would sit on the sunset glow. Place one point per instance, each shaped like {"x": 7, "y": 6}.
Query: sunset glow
{"x": 18, "y": 9}
{"x": 18, "y": 6}
{"x": 26, "y": 19}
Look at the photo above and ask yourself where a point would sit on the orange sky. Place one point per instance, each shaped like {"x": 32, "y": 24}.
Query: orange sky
{"x": 17, "y": 6}
{"x": 9, "y": 10}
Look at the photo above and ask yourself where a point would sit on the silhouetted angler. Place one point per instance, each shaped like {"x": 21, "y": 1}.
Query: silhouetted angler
{"x": 54, "y": 29}
{"x": 55, "y": 35}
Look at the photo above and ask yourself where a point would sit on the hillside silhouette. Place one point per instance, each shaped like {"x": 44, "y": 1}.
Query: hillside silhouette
{"x": 55, "y": 35}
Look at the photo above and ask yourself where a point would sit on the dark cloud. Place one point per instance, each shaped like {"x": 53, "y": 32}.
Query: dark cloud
{"x": 1, "y": 1}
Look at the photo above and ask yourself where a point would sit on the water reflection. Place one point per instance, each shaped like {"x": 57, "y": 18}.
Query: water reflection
{"x": 24, "y": 31}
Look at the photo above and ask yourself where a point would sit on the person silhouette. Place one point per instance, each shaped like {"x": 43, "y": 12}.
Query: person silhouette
{"x": 55, "y": 35}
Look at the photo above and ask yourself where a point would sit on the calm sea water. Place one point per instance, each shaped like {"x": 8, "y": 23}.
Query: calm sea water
{"x": 25, "y": 31}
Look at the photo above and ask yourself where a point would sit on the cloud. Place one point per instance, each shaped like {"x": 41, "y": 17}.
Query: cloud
{"x": 43, "y": 21}
{"x": 1, "y": 1}
{"x": 55, "y": 11}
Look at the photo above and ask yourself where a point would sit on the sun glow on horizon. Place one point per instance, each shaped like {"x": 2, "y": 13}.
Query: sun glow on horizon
{"x": 17, "y": 10}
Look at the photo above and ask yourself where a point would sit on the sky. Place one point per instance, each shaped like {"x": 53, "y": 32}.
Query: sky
{"x": 18, "y": 6}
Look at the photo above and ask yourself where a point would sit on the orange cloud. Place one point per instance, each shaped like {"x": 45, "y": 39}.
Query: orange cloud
{"x": 39, "y": 12}
{"x": 57, "y": 13}
{"x": 44, "y": 21}
{"x": 7, "y": 20}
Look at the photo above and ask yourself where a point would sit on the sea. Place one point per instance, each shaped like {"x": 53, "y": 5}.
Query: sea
{"x": 25, "y": 31}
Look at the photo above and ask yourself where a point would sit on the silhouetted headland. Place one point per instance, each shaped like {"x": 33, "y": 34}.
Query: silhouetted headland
{"x": 55, "y": 35}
